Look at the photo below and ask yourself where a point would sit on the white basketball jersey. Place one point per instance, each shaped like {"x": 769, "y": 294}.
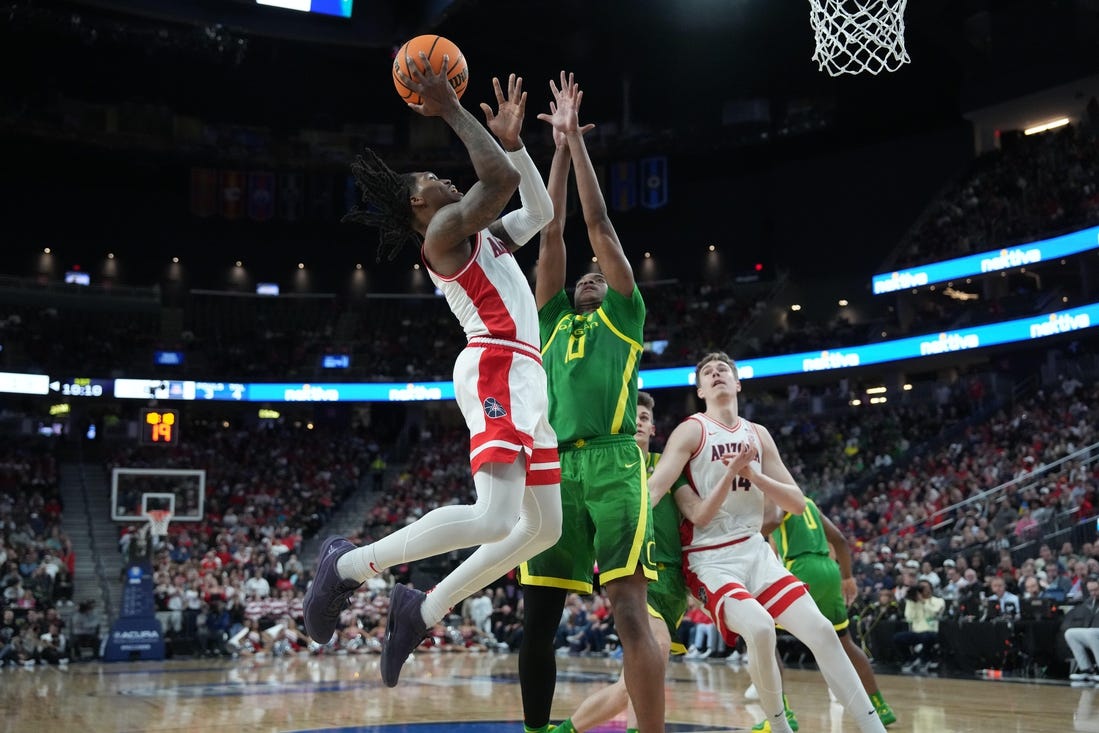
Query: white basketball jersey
{"x": 490, "y": 295}
{"x": 741, "y": 514}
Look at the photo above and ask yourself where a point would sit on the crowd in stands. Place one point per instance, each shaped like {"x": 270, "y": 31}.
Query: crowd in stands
{"x": 224, "y": 583}
{"x": 36, "y": 558}
{"x": 43, "y": 338}
{"x": 1034, "y": 187}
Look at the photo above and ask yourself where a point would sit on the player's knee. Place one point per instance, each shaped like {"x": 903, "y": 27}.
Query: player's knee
{"x": 548, "y": 536}
{"x": 758, "y": 632}
{"x": 494, "y": 527}
{"x": 820, "y": 632}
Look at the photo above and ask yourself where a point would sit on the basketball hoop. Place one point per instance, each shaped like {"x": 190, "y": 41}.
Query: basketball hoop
{"x": 158, "y": 521}
{"x": 854, "y": 36}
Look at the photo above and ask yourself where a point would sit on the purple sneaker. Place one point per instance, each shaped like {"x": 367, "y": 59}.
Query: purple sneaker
{"x": 404, "y": 630}
{"x": 328, "y": 593}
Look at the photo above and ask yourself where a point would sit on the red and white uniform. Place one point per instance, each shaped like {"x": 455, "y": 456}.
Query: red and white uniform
{"x": 741, "y": 514}
{"x": 728, "y": 558}
{"x": 499, "y": 382}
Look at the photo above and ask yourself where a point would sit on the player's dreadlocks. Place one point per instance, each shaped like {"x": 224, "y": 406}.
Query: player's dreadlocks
{"x": 384, "y": 204}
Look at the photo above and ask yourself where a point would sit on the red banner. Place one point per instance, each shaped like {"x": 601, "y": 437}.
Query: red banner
{"x": 204, "y": 192}
{"x": 232, "y": 194}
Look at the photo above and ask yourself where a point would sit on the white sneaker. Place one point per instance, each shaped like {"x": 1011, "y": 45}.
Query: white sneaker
{"x": 751, "y": 693}
{"x": 1080, "y": 676}
{"x": 693, "y": 652}
{"x": 734, "y": 659}
{"x": 703, "y": 655}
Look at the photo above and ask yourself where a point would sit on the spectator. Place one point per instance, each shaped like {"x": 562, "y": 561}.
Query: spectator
{"x": 1057, "y": 585}
{"x": 1081, "y": 630}
{"x": 1000, "y": 601}
{"x": 85, "y": 626}
{"x": 922, "y": 611}
{"x": 54, "y": 646}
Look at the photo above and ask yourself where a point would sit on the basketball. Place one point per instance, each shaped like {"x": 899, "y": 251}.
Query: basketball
{"x": 435, "y": 47}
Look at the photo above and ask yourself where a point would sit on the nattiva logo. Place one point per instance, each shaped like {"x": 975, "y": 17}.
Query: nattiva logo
{"x": 312, "y": 393}
{"x": 1011, "y": 258}
{"x": 1060, "y": 323}
{"x": 900, "y": 281}
{"x": 950, "y": 342}
{"x": 829, "y": 360}
{"x": 411, "y": 392}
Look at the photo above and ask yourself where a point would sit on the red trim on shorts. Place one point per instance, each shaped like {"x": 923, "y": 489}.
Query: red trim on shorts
{"x": 543, "y": 476}
{"x": 789, "y": 588}
{"x": 517, "y": 347}
{"x": 493, "y": 370}
{"x": 714, "y": 601}
{"x": 730, "y": 543}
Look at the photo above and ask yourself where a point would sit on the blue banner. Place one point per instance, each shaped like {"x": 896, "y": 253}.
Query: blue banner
{"x": 134, "y": 638}
{"x": 914, "y": 347}
{"x": 985, "y": 262}
{"x": 654, "y": 182}
{"x": 136, "y": 634}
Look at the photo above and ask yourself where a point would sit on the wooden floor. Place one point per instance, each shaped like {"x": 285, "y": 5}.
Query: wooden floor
{"x": 481, "y": 693}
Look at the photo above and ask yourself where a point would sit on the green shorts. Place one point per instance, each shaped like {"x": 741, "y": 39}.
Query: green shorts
{"x": 668, "y": 599}
{"x": 606, "y": 517}
{"x": 822, "y": 575}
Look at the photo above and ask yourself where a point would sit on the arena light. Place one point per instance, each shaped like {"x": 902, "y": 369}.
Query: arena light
{"x": 877, "y": 390}
{"x": 1051, "y": 125}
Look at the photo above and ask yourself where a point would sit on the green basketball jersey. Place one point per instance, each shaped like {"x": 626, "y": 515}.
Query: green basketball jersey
{"x": 666, "y": 520}
{"x": 591, "y": 361}
{"x": 801, "y": 535}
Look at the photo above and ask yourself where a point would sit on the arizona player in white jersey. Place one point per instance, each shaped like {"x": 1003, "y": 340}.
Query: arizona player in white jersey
{"x": 499, "y": 382}
{"x": 733, "y": 468}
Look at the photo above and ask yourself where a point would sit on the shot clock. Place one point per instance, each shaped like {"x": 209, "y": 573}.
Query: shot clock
{"x": 158, "y": 427}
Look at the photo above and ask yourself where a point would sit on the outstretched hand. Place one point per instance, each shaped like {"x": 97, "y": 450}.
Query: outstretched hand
{"x": 436, "y": 94}
{"x": 565, "y": 110}
{"x": 507, "y": 121}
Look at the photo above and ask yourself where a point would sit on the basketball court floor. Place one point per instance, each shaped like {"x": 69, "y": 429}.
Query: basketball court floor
{"x": 479, "y": 693}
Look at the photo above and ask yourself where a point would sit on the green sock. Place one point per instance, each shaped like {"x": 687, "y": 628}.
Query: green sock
{"x": 785, "y": 702}
{"x": 632, "y": 730}
{"x": 877, "y": 699}
{"x": 544, "y": 729}
{"x": 565, "y": 726}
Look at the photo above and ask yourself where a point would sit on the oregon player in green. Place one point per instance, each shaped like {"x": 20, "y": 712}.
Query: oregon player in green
{"x": 667, "y": 595}
{"x": 591, "y": 349}
{"x": 803, "y": 543}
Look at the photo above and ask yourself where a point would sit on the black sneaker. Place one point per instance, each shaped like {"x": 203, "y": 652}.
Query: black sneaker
{"x": 404, "y": 630}
{"x": 328, "y": 593}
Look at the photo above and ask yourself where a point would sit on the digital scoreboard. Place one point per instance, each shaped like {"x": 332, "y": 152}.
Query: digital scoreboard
{"x": 158, "y": 427}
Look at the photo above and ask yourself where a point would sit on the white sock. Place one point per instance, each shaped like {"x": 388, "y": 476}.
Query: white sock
{"x": 360, "y": 564}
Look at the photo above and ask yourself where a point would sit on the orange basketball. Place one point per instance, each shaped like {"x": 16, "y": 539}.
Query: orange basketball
{"x": 435, "y": 47}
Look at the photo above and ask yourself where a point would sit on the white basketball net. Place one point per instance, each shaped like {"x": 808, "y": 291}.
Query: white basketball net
{"x": 854, "y": 36}
{"x": 158, "y": 521}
